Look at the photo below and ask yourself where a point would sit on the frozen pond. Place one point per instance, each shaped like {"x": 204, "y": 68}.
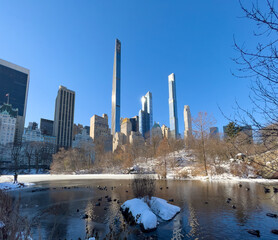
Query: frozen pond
{"x": 56, "y": 212}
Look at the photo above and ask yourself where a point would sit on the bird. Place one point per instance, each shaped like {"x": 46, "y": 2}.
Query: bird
{"x": 254, "y": 232}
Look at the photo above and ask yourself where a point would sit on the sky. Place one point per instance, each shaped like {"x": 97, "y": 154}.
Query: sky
{"x": 71, "y": 43}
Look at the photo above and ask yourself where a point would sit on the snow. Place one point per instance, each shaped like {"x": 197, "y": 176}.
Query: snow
{"x": 147, "y": 214}
{"x": 12, "y": 186}
{"x": 163, "y": 209}
{"x": 141, "y": 212}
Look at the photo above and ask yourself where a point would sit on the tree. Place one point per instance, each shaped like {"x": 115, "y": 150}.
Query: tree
{"x": 162, "y": 152}
{"x": 260, "y": 65}
{"x": 202, "y": 124}
{"x": 232, "y": 130}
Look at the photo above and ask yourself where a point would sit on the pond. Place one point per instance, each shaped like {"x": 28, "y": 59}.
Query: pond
{"x": 57, "y": 209}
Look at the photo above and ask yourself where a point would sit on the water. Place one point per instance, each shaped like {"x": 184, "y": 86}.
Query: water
{"x": 57, "y": 213}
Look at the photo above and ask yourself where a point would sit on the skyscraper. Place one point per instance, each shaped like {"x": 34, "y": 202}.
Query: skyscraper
{"x": 116, "y": 90}
{"x": 14, "y": 85}
{"x": 64, "y": 117}
{"x": 46, "y": 127}
{"x": 187, "y": 122}
{"x": 173, "y": 111}
{"x": 146, "y": 115}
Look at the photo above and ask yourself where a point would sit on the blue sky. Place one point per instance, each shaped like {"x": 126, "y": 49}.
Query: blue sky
{"x": 71, "y": 43}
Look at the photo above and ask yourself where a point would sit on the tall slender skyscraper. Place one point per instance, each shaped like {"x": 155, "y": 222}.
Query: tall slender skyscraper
{"x": 187, "y": 122}
{"x": 64, "y": 117}
{"x": 116, "y": 90}
{"x": 14, "y": 84}
{"x": 173, "y": 111}
{"x": 146, "y": 115}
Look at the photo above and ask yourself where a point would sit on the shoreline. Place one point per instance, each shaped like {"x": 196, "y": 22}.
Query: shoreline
{"x": 31, "y": 178}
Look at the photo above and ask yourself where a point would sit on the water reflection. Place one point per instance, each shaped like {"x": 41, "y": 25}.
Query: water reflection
{"x": 58, "y": 212}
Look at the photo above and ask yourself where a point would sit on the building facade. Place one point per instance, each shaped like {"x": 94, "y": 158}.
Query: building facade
{"x": 46, "y": 127}
{"x": 145, "y": 116}
{"x": 14, "y": 88}
{"x": 116, "y": 90}
{"x": 165, "y": 131}
{"x": 82, "y": 139}
{"x": 100, "y": 131}
{"x": 8, "y": 117}
{"x": 173, "y": 111}
{"x": 187, "y": 122}
{"x": 32, "y": 133}
{"x": 64, "y": 117}
{"x": 214, "y": 133}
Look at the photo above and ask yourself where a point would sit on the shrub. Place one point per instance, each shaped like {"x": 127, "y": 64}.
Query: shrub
{"x": 15, "y": 227}
{"x": 143, "y": 186}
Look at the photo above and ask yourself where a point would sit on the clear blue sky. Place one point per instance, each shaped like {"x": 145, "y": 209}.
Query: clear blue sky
{"x": 71, "y": 43}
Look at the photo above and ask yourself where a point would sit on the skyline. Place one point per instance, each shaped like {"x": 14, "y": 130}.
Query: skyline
{"x": 84, "y": 61}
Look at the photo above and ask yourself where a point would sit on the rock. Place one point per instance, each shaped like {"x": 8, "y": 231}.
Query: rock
{"x": 254, "y": 232}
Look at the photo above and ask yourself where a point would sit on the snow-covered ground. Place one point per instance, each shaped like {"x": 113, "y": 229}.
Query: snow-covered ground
{"x": 146, "y": 214}
{"x": 12, "y": 186}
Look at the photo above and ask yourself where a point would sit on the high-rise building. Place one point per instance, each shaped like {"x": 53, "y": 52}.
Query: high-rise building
{"x": 64, "y": 117}
{"x": 8, "y": 117}
{"x": 14, "y": 85}
{"x": 116, "y": 90}
{"x": 214, "y": 133}
{"x": 46, "y": 127}
{"x": 187, "y": 122}
{"x": 126, "y": 126}
{"x": 165, "y": 131}
{"x": 173, "y": 111}
{"x": 100, "y": 131}
{"x": 145, "y": 115}
{"x": 134, "y": 124}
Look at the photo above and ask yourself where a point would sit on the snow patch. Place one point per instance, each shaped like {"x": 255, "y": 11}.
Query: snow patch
{"x": 163, "y": 209}
{"x": 141, "y": 213}
{"x": 147, "y": 216}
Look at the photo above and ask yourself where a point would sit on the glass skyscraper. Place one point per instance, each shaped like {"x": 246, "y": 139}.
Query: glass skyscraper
{"x": 14, "y": 82}
{"x": 116, "y": 90}
{"x": 146, "y": 115}
{"x": 173, "y": 111}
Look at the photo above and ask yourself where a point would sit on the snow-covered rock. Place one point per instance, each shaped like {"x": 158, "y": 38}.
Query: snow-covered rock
{"x": 141, "y": 213}
{"x": 147, "y": 216}
{"x": 163, "y": 209}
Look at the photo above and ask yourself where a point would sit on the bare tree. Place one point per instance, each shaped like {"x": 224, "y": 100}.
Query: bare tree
{"x": 202, "y": 124}
{"x": 260, "y": 65}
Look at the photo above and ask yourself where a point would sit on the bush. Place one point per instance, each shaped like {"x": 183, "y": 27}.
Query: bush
{"x": 15, "y": 226}
{"x": 143, "y": 186}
